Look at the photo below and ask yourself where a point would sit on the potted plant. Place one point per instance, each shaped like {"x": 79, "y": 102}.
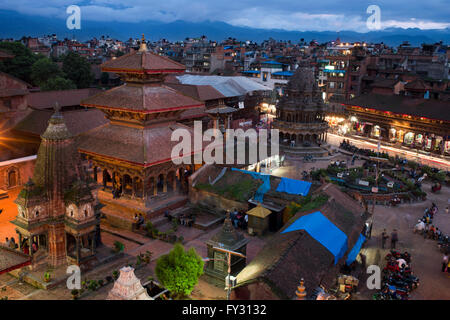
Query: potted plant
{"x": 47, "y": 276}
{"x": 75, "y": 293}
{"x": 100, "y": 283}
{"x": 115, "y": 274}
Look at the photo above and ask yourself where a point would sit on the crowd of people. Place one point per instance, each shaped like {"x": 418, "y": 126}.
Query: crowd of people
{"x": 11, "y": 243}
{"x": 426, "y": 227}
{"x": 239, "y": 219}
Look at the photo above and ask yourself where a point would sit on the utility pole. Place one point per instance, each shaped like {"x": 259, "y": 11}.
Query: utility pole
{"x": 228, "y": 261}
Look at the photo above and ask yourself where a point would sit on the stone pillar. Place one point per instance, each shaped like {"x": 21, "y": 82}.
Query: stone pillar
{"x": 30, "y": 242}
{"x": 77, "y": 248}
{"x": 67, "y": 245}
{"x": 92, "y": 236}
{"x": 133, "y": 188}
{"x": 165, "y": 183}
{"x": 20, "y": 240}
{"x": 433, "y": 144}
{"x": 155, "y": 186}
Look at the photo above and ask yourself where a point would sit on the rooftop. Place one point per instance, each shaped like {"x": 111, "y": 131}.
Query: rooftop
{"x": 427, "y": 108}
{"x": 228, "y": 86}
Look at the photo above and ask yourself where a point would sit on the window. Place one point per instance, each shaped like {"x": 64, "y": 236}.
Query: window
{"x": 331, "y": 85}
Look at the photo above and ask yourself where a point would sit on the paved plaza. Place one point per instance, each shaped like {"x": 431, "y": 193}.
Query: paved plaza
{"x": 426, "y": 257}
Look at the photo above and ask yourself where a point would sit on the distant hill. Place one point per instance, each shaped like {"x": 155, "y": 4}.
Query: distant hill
{"x": 16, "y": 25}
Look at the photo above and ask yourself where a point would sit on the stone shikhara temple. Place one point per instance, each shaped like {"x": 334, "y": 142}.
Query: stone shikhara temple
{"x": 301, "y": 115}
{"x": 132, "y": 153}
{"x": 57, "y": 220}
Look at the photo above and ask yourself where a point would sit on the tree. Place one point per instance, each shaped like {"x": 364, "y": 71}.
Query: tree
{"x": 20, "y": 65}
{"x": 77, "y": 69}
{"x": 179, "y": 270}
{"x": 44, "y": 69}
{"x": 58, "y": 83}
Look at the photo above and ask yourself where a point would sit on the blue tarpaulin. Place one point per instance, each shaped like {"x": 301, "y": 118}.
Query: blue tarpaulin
{"x": 292, "y": 186}
{"x": 355, "y": 250}
{"x": 259, "y": 195}
{"x": 324, "y": 231}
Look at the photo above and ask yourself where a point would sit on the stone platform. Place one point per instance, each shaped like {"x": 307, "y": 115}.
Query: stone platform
{"x": 301, "y": 151}
{"x": 119, "y": 213}
{"x": 35, "y": 276}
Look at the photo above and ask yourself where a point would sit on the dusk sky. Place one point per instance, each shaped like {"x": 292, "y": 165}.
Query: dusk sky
{"x": 300, "y": 15}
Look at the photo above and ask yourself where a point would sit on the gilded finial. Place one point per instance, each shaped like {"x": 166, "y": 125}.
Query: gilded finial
{"x": 143, "y": 46}
{"x": 301, "y": 290}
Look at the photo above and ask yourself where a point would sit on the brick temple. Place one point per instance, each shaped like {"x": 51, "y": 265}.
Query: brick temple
{"x": 57, "y": 220}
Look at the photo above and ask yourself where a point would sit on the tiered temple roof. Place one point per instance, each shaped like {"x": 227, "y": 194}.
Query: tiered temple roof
{"x": 142, "y": 112}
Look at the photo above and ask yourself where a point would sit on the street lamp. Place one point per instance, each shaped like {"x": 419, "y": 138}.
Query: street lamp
{"x": 228, "y": 261}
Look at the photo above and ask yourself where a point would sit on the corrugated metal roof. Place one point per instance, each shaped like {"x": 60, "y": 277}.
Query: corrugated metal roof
{"x": 228, "y": 86}
{"x": 283, "y": 73}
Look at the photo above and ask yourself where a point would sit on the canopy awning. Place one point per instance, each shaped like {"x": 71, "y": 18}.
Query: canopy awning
{"x": 259, "y": 212}
{"x": 293, "y": 186}
{"x": 324, "y": 231}
{"x": 355, "y": 250}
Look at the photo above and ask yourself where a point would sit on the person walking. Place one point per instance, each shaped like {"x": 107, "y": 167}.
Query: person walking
{"x": 444, "y": 262}
{"x": 12, "y": 243}
{"x": 384, "y": 237}
{"x": 394, "y": 238}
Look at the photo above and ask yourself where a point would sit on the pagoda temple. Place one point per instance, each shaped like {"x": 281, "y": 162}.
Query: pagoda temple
{"x": 301, "y": 115}
{"x": 131, "y": 154}
{"x": 57, "y": 220}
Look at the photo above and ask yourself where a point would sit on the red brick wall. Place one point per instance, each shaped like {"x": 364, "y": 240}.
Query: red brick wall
{"x": 24, "y": 171}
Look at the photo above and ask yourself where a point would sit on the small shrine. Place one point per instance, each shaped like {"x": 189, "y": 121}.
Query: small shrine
{"x": 258, "y": 220}
{"x": 128, "y": 287}
{"x": 57, "y": 220}
{"x": 230, "y": 239}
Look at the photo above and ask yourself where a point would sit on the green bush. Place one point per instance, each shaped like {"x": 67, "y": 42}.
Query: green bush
{"x": 179, "y": 270}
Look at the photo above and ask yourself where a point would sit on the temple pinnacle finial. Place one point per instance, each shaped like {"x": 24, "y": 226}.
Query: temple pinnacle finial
{"x": 301, "y": 290}
{"x": 143, "y": 46}
{"x": 56, "y": 107}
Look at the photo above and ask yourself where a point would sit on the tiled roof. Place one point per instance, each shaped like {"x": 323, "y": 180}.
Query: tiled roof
{"x": 12, "y": 92}
{"x": 290, "y": 256}
{"x": 65, "y": 98}
{"x": 148, "y": 146}
{"x": 428, "y": 108}
{"x": 199, "y": 92}
{"x": 77, "y": 121}
{"x": 12, "y": 259}
{"x": 141, "y": 97}
{"x": 142, "y": 62}
{"x": 384, "y": 83}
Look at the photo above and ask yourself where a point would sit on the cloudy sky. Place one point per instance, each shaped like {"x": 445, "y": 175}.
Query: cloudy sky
{"x": 300, "y": 15}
